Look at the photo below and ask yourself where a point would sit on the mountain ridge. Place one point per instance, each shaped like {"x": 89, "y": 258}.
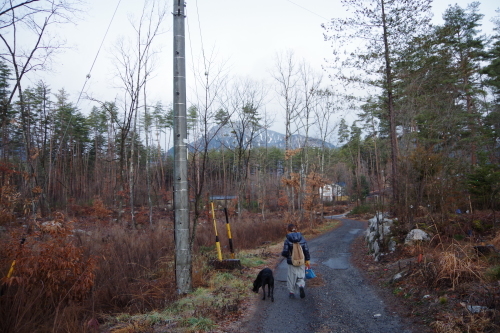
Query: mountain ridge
{"x": 226, "y": 137}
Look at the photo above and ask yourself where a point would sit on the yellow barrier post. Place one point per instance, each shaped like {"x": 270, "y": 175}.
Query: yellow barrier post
{"x": 217, "y": 242}
{"x": 229, "y": 234}
{"x": 11, "y": 270}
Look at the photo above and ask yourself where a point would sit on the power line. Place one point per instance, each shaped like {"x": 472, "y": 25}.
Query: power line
{"x": 88, "y": 75}
{"x": 310, "y": 11}
{"x": 191, "y": 51}
{"x": 201, "y": 38}
{"x": 98, "y": 51}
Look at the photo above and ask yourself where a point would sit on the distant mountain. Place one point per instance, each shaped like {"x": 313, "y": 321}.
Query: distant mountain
{"x": 226, "y": 138}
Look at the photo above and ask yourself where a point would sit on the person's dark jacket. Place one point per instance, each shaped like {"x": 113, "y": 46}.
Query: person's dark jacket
{"x": 295, "y": 237}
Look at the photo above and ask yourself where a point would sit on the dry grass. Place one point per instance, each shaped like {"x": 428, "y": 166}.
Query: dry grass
{"x": 134, "y": 274}
{"x": 454, "y": 275}
{"x": 52, "y": 276}
{"x": 496, "y": 241}
{"x": 471, "y": 323}
{"x": 457, "y": 264}
{"x": 446, "y": 325}
{"x": 248, "y": 232}
{"x": 135, "y": 268}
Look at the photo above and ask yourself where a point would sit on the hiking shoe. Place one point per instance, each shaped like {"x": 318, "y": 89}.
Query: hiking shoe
{"x": 291, "y": 296}
{"x": 302, "y": 292}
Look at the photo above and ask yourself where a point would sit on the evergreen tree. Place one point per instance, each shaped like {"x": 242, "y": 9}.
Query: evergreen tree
{"x": 492, "y": 72}
{"x": 382, "y": 27}
{"x": 71, "y": 127}
{"x": 459, "y": 37}
{"x": 97, "y": 122}
{"x": 6, "y": 112}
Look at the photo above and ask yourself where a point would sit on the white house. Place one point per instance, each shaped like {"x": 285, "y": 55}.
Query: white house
{"x": 331, "y": 192}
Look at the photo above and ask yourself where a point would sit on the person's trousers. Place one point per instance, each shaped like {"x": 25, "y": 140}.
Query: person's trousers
{"x": 295, "y": 278}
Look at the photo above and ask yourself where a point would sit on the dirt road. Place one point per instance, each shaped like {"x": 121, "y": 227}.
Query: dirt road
{"x": 338, "y": 300}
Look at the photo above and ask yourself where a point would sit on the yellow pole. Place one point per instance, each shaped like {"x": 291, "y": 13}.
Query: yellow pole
{"x": 229, "y": 234}
{"x": 217, "y": 242}
{"x": 11, "y": 270}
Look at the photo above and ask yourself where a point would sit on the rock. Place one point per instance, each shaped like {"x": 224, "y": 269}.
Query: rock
{"x": 379, "y": 230}
{"x": 82, "y": 232}
{"x": 384, "y": 231}
{"x": 51, "y": 226}
{"x": 399, "y": 276}
{"x": 379, "y": 222}
{"x": 392, "y": 245}
{"x": 416, "y": 235}
{"x": 371, "y": 237}
{"x": 476, "y": 308}
{"x": 375, "y": 247}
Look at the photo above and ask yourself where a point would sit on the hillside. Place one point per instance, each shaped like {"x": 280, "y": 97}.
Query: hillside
{"x": 226, "y": 138}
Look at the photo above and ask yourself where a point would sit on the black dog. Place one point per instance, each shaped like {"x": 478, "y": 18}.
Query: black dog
{"x": 264, "y": 277}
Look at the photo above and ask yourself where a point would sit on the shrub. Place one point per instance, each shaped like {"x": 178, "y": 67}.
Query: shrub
{"x": 362, "y": 209}
{"x": 49, "y": 272}
{"x": 456, "y": 265}
{"x": 492, "y": 273}
{"x": 135, "y": 268}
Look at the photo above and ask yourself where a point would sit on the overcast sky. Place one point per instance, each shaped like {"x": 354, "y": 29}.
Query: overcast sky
{"x": 245, "y": 34}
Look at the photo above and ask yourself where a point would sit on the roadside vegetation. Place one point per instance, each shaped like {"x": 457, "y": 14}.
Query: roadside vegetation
{"x": 87, "y": 274}
{"x": 448, "y": 284}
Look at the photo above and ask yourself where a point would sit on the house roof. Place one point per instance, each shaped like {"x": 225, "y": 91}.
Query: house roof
{"x": 223, "y": 197}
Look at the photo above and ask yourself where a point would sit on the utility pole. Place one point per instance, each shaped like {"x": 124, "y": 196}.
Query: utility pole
{"x": 181, "y": 198}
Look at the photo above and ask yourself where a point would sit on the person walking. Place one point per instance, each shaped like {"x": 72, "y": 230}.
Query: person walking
{"x": 296, "y": 274}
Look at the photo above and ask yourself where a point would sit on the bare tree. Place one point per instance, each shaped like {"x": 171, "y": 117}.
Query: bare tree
{"x": 134, "y": 66}
{"x": 286, "y": 75}
{"x": 27, "y": 33}
{"x": 245, "y": 101}
{"x": 209, "y": 103}
{"x": 328, "y": 105}
{"x": 309, "y": 83}
{"x": 26, "y": 30}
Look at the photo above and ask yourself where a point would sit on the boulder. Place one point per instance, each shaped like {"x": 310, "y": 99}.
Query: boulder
{"x": 476, "y": 308}
{"x": 379, "y": 230}
{"x": 379, "y": 221}
{"x": 416, "y": 235}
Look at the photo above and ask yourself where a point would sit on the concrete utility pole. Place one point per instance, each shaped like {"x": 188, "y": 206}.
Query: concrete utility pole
{"x": 181, "y": 198}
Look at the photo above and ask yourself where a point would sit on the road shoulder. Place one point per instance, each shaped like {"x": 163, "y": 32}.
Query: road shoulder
{"x": 378, "y": 276}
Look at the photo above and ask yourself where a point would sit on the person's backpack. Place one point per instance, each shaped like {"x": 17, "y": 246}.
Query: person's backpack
{"x": 297, "y": 255}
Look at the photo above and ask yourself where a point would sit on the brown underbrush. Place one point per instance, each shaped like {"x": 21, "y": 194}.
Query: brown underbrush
{"x": 90, "y": 274}
{"x": 48, "y": 277}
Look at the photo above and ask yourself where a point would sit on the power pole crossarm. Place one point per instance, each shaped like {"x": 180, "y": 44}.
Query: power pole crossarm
{"x": 181, "y": 197}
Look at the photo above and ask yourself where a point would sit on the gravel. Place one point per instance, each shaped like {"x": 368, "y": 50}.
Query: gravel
{"x": 338, "y": 300}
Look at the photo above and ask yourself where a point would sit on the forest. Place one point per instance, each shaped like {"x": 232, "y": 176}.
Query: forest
{"x": 425, "y": 146}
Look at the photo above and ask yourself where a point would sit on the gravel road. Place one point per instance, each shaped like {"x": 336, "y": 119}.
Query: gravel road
{"x": 338, "y": 300}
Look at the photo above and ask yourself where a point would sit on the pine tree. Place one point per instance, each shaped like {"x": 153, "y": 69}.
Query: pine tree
{"x": 492, "y": 72}
{"x": 6, "y": 112}
{"x": 382, "y": 27}
{"x": 459, "y": 37}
